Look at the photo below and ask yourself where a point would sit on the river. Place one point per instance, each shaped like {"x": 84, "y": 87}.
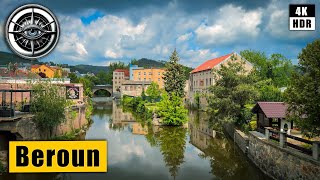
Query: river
{"x": 136, "y": 151}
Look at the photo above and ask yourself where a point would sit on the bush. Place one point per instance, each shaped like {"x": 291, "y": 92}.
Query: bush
{"x": 253, "y": 125}
{"x": 172, "y": 110}
{"x": 2, "y": 169}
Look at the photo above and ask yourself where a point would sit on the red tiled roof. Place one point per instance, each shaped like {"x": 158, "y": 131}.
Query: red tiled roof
{"x": 272, "y": 109}
{"x": 126, "y": 71}
{"x": 210, "y": 63}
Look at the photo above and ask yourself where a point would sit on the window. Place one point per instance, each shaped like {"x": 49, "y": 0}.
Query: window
{"x": 145, "y": 73}
{"x": 159, "y": 79}
{"x": 206, "y": 82}
{"x": 150, "y": 73}
{"x": 210, "y": 81}
{"x": 115, "y": 77}
{"x": 139, "y": 79}
{"x": 145, "y": 79}
{"x": 159, "y": 73}
{"x": 149, "y": 79}
{"x": 139, "y": 73}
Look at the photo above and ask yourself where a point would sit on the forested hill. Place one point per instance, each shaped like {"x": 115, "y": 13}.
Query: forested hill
{"x": 147, "y": 63}
{"x": 6, "y": 58}
{"x": 83, "y": 68}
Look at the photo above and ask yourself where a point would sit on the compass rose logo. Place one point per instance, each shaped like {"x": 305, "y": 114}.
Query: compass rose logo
{"x": 32, "y": 31}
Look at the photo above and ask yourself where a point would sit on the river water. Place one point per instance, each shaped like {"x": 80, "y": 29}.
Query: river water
{"x": 136, "y": 151}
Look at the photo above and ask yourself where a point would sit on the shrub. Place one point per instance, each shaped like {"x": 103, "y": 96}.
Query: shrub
{"x": 172, "y": 110}
{"x": 2, "y": 168}
{"x": 253, "y": 125}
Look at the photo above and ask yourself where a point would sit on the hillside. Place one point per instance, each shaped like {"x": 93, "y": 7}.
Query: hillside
{"x": 147, "y": 63}
{"x": 5, "y": 58}
{"x": 83, "y": 69}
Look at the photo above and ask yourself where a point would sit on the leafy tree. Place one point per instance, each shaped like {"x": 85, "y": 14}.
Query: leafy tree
{"x": 172, "y": 110}
{"x": 48, "y": 106}
{"x": 174, "y": 77}
{"x": 102, "y": 77}
{"x": 57, "y": 74}
{"x": 73, "y": 78}
{"x": 87, "y": 86}
{"x": 268, "y": 92}
{"x": 276, "y": 67}
{"x": 153, "y": 91}
{"x": 303, "y": 93}
{"x": 234, "y": 88}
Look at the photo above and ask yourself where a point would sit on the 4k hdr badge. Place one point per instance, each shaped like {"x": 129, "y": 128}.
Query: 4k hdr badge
{"x": 32, "y": 31}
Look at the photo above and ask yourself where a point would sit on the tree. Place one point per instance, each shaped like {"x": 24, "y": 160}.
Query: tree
{"x": 47, "y": 105}
{"x": 303, "y": 93}
{"x": 234, "y": 88}
{"x": 174, "y": 77}
{"x": 171, "y": 110}
{"x": 153, "y": 91}
{"x": 87, "y": 85}
{"x": 276, "y": 67}
{"x": 73, "y": 78}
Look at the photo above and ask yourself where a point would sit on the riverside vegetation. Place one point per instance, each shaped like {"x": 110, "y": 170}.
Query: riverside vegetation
{"x": 166, "y": 103}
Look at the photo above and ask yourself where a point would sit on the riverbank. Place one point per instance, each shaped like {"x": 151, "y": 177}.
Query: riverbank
{"x": 275, "y": 161}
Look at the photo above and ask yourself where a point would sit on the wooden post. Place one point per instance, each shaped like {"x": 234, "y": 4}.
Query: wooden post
{"x": 283, "y": 139}
{"x": 315, "y": 150}
{"x": 267, "y": 133}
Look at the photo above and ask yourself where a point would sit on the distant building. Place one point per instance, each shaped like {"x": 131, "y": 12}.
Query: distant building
{"x": 131, "y": 68}
{"x": 152, "y": 74}
{"x": 201, "y": 78}
{"x": 134, "y": 88}
{"x": 118, "y": 77}
{"x": 46, "y": 71}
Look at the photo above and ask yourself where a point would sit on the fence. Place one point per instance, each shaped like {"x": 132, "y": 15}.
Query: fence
{"x": 282, "y": 138}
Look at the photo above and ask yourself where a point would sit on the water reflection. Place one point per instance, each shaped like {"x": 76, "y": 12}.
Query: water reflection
{"x": 139, "y": 151}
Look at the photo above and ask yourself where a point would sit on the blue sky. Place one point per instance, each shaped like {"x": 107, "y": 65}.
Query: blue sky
{"x": 101, "y": 32}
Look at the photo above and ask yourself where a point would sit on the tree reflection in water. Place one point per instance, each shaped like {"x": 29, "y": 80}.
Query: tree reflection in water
{"x": 172, "y": 143}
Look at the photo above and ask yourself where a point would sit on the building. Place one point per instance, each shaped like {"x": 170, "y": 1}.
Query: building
{"x": 152, "y": 74}
{"x": 118, "y": 77}
{"x": 131, "y": 68}
{"x": 272, "y": 114}
{"x": 46, "y": 71}
{"x": 201, "y": 78}
{"x": 134, "y": 88}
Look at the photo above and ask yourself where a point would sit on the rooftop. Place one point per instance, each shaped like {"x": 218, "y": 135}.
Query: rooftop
{"x": 209, "y": 64}
{"x": 272, "y": 109}
{"x": 125, "y": 71}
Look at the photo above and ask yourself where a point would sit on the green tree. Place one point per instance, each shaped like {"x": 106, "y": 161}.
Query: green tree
{"x": 73, "y": 78}
{"x": 303, "y": 93}
{"x": 276, "y": 67}
{"x": 47, "y": 105}
{"x": 234, "y": 88}
{"x": 174, "y": 77}
{"x": 172, "y": 110}
{"x": 153, "y": 91}
{"x": 87, "y": 86}
{"x": 268, "y": 92}
{"x": 102, "y": 77}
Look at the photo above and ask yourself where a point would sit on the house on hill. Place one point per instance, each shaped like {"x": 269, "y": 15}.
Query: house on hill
{"x": 46, "y": 71}
{"x": 272, "y": 114}
{"x": 201, "y": 78}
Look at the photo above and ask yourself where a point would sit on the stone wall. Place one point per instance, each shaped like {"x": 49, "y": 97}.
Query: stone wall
{"x": 241, "y": 140}
{"x": 281, "y": 163}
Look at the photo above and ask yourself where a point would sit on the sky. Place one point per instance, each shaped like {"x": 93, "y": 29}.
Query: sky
{"x": 98, "y": 32}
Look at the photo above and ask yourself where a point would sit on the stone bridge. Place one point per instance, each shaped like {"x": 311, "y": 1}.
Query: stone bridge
{"x": 106, "y": 87}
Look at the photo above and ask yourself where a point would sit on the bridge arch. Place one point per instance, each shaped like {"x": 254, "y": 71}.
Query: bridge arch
{"x": 102, "y": 88}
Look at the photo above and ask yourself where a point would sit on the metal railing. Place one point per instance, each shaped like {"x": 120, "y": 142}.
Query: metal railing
{"x": 282, "y": 138}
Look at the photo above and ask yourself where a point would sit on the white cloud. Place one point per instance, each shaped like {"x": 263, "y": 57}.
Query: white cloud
{"x": 232, "y": 24}
{"x": 111, "y": 54}
{"x": 184, "y": 37}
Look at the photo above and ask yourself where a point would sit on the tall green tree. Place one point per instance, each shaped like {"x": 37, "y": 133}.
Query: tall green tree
{"x": 303, "y": 93}
{"x": 47, "y": 105}
{"x": 174, "y": 77}
{"x": 153, "y": 91}
{"x": 234, "y": 88}
{"x": 73, "y": 78}
{"x": 276, "y": 67}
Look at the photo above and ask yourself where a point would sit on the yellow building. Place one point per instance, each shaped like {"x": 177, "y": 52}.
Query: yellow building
{"x": 46, "y": 71}
{"x": 153, "y": 74}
